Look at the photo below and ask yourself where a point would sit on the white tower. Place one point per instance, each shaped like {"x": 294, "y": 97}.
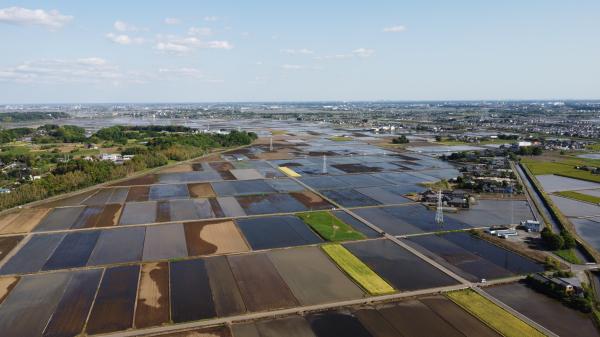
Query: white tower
{"x": 324, "y": 164}
{"x": 271, "y": 144}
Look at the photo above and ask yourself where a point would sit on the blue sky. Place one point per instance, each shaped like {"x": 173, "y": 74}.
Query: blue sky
{"x": 203, "y": 51}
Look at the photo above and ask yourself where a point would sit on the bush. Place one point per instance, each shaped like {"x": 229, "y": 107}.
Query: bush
{"x": 551, "y": 240}
{"x": 400, "y": 140}
{"x": 569, "y": 240}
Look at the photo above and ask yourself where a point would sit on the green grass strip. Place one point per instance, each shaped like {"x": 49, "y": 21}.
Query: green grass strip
{"x": 499, "y": 319}
{"x": 357, "y": 270}
{"x": 579, "y": 196}
{"x": 568, "y": 255}
{"x": 340, "y": 139}
{"x": 329, "y": 226}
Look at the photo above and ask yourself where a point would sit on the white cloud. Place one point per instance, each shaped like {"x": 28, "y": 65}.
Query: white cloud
{"x": 298, "y": 67}
{"x": 211, "y": 18}
{"x": 172, "y": 21}
{"x": 82, "y": 70}
{"x": 394, "y": 29}
{"x": 334, "y": 57}
{"x": 302, "y": 51}
{"x": 181, "y": 72}
{"x": 124, "y": 39}
{"x": 172, "y": 47}
{"x": 199, "y": 31}
{"x": 181, "y": 45}
{"x": 219, "y": 45}
{"x": 122, "y": 26}
{"x": 363, "y": 52}
{"x": 23, "y": 16}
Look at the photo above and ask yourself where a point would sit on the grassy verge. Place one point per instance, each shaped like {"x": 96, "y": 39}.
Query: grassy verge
{"x": 357, "y": 270}
{"x": 441, "y": 184}
{"x": 499, "y": 319}
{"x": 563, "y": 167}
{"x": 568, "y": 255}
{"x": 579, "y": 196}
{"x": 340, "y": 139}
{"x": 330, "y": 227}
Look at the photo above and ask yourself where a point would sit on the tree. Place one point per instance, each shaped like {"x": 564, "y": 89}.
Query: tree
{"x": 551, "y": 240}
{"x": 400, "y": 140}
{"x": 569, "y": 240}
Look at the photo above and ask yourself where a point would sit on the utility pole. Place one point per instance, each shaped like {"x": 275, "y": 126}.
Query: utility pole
{"x": 439, "y": 214}
{"x": 271, "y": 144}
{"x": 324, "y": 164}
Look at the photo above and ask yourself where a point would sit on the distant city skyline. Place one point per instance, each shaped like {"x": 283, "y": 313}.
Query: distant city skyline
{"x": 228, "y": 51}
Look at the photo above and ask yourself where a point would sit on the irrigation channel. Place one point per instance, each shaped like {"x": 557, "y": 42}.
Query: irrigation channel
{"x": 540, "y": 208}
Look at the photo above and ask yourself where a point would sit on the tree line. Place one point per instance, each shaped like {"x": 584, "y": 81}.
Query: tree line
{"x": 80, "y": 173}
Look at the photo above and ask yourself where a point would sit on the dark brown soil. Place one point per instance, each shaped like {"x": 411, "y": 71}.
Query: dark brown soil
{"x": 138, "y": 193}
{"x": 163, "y": 211}
{"x": 195, "y": 245}
{"x": 7, "y": 244}
{"x": 260, "y": 284}
{"x": 109, "y": 216}
{"x": 113, "y": 308}
{"x": 356, "y": 168}
{"x": 70, "y": 315}
{"x": 227, "y": 297}
{"x": 311, "y": 200}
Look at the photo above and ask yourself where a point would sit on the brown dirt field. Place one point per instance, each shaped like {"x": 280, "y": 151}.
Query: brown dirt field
{"x": 109, "y": 216}
{"x": 7, "y": 244}
{"x": 222, "y": 166}
{"x": 310, "y": 199}
{"x": 356, "y": 168}
{"x": 177, "y": 169}
{"x": 276, "y": 155}
{"x": 153, "y": 295}
{"x": 6, "y": 285}
{"x": 413, "y": 318}
{"x": 226, "y": 295}
{"x": 201, "y": 190}
{"x": 25, "y": 221}
{"x": 138, "y": 193}
{"x": 457, "y": 317}
{"x": 163, "y": 211}
{"x": 206, "y": 332}
{"x": 372, "y": 320}
{"x": 260, "y": 284}
{"x": 8, "y": 218}
{"x": 212, "y": 157}
{"x": 214, "y": 237}
{"x": 148, "y": 179}
{"x": 226, "y": 175}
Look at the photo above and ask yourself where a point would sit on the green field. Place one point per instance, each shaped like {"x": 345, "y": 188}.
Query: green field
{"x": 563, "y": 166}
{"x": 329, "y": 226}
{"x": 579, "y": 196}
{"x": 568, "y": 255}
{"x": 341, "y": 139}
{"x": 494, "y": 316}
{"x": 357, "y": 270}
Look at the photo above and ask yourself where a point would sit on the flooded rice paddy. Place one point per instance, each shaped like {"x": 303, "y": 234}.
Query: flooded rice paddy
{"x": 213, "y": 239}
{"x": 473, "y": 258}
